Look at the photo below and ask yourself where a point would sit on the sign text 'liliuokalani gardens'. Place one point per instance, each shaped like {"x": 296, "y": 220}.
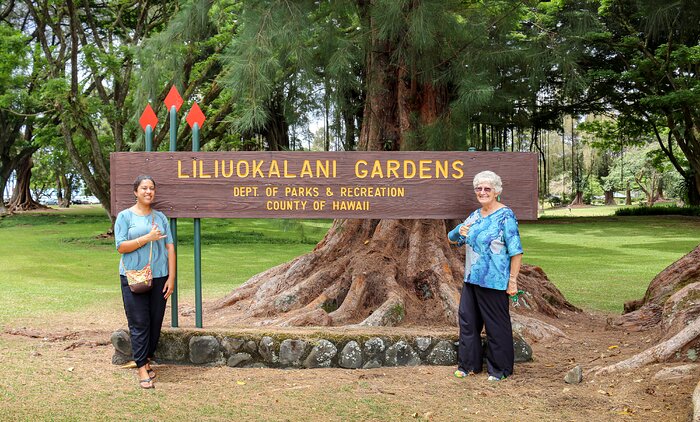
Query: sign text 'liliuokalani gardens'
{"x": 415, "y": 184}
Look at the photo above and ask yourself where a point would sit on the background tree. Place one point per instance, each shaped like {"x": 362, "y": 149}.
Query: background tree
{"x": 17, "y": 86}
{"x": 419, "y": 60}
{"x": 650, "y": 51}
{"x": 88, "y": 49}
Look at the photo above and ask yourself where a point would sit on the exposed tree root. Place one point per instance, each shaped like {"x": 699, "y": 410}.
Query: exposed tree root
{"x": 659, "y": 353}
{"x": 373, "y": 273}
{"x": 536, "y": 330}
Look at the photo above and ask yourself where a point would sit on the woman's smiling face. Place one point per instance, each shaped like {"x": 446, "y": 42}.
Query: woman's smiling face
{"x": 485, "y": 193}
{"x": 145, "y": 192}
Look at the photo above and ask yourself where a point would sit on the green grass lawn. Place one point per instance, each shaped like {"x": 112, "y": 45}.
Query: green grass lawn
{"x": 56, "y": 262}
{"x": 599, "y": 263}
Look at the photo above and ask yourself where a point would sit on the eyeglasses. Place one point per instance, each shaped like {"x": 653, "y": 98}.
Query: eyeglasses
{"x": 482, "y": 189}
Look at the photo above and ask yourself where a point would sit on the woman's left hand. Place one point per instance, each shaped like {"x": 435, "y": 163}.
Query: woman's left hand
{"x": 168, "y": 288}
{"x": 512, "y": 289}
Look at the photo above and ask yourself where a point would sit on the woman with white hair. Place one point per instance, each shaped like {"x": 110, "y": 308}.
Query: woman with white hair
{"x": 494, "y": 255}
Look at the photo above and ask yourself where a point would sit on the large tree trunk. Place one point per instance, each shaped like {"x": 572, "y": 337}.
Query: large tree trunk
{"x": 379, "y": 272}
{"x": 578, "y": 199}
{"x": 376, "y": 272}
{"x": 22, "y": 195}
{"x": 609, "y": 197}
{"x": 367, "y": 272}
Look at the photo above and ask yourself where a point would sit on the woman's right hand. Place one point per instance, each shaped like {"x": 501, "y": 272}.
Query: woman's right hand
{"x": 464, "y": 229}
{"x": 155, "y": 234}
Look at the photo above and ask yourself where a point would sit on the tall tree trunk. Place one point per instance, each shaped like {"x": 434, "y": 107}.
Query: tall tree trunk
{"x": 367, "y": 272}
{"x": 64, "y": 191}
{"x": 609, "y": 197}
{"x": 628, "y": 194}
{"x": 22, "y": 195}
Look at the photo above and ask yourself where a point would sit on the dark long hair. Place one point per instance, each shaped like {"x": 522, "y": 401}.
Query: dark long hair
{"x": 140, "y": 179}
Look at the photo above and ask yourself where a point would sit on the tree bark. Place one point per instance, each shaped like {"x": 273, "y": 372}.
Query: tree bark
{"x": 609, "y": 197}
{"x": 578, "y": 199}
{"x": 22, "y": 195}
{"x": 658, "y": 353}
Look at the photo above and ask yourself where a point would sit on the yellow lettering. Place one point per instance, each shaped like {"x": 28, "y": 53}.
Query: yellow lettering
{"x": 287, "y": 175}
{"x": 305, "y": 169}
{"x": 230, "y": 168}
{"x": 334, "y": 168}
{"x": 409, "y": 174}
{"x": 321, "y": 168}
{"x": 457, "y": 167}
{"x": 216, "y": 169}
{"x": 242, "y": 168}
{"x": 424, "y": 168}
{"x": 377, "y": 170}
{"x": 194, "y": 168}
{"x": 441, "y": 169}
{"x": 202, "y": 174}
{"x": 274, "y": 169}
{"x": 363, "y": 172}
{"x": 179, "y": 171}
{"x": 257, "y": 168}
{"x": 392, "y": 168}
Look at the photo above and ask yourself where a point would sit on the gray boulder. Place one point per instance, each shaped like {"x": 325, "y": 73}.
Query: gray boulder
{"x": 291, "y": 352}
{"x": 444, "y": 353}
{"x": 321, "y": 355}
{"x": 172, "y": 347}
{"x": 250, "y": 347}
{"x": 371, "y": 364}
{"x": 523, "y": 351}
{"x": 574, "y": 376}
{"x": 401, "y": 354}
{"x": 204, "y": 349}
{"x": 351, "y": 356}
{"x": 374, "y": 349}
{"x": 266, "y": 348}
{"x": 120, "y": 358}
{"x": 239, "y": 359}
{"x": 121, "y": 340}
{"x": 231, "y": 345}
{"x": 423, "y": 343}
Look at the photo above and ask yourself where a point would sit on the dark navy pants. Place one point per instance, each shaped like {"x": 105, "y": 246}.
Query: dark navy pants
{"x": 144, "y": 313}
{"x": 479, "y": 307}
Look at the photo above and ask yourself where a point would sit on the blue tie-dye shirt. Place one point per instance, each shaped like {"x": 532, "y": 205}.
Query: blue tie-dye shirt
{"x": 491, "y": 242}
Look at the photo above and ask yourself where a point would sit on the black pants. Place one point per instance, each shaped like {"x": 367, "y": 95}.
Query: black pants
{"x": 479, "y": 306}
{"x": 144, "y": 313}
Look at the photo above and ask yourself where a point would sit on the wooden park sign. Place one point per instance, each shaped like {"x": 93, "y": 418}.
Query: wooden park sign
{"x": 417, "y": 184}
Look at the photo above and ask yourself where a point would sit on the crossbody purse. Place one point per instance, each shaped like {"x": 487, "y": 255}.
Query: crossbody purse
{"x": 141, "y": 281}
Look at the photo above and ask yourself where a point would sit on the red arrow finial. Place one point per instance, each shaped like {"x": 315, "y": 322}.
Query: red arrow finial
{"x": 173, "y": 99}
{"x": 195, "y": 116}
{"x": 148, "y": 117}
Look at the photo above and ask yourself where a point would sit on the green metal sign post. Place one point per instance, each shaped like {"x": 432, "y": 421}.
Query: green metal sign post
{"x": 173, "y": 101}
{"x": 195, "y": 118}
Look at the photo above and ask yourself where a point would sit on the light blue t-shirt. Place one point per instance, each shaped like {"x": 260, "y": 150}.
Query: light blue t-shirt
{"x": 491, "y": 242}
{"x": 129, "y": 226}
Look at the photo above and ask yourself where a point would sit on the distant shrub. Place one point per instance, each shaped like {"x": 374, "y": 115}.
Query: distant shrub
{"x": 665, "y": 210}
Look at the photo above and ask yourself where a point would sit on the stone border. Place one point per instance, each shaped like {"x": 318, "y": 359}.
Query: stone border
{"x": 292, "y": 350}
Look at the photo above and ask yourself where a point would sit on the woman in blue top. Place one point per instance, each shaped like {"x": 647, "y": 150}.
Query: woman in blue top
{"x": 135, "y": 230}
{"x": 494, "y": 255}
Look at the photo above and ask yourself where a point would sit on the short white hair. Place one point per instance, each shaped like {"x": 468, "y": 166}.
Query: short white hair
{"x": 490, "y": 178}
